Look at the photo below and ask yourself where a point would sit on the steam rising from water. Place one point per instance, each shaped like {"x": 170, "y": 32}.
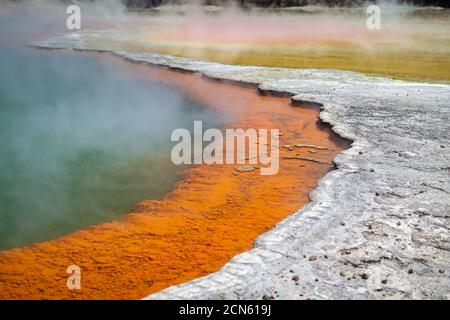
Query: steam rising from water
{"x": 413, "y": 42}
{"x": 82, "y": 140}
{"x": 400, "y": 24}
{"x": 192, "y": 25}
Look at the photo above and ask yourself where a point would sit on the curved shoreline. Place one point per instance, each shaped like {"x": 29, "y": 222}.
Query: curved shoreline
{"x": 378, "y": 226}
{"x": 386, "y": 238}
{"x": 212, "y": 214}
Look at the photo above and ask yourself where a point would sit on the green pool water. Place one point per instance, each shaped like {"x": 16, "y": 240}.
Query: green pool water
{"x": 82, "y": 141}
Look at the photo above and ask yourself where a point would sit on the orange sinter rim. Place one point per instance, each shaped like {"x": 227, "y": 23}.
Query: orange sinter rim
{"x": 213, "y": 213}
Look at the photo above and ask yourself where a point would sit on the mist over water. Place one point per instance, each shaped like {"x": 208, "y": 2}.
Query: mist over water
{"x": 82, "y": 140}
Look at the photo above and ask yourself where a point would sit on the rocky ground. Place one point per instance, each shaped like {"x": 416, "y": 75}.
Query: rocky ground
{"x": 378, "y": 226}
{"x": 277, "y": 3}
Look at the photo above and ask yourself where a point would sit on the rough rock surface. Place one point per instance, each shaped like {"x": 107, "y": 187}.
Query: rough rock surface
{"x": 378, "y": 226}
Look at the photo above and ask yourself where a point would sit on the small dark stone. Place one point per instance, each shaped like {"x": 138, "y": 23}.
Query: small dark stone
{"x": 342, "y": 223}
{"x": 316, "y": 280}
{"x": 346, "y": 251}
{"x": 295, "y": 278}
{"x": 441, "y": 270}
{"x": 312, "y": 258}
{"x": 149, "y": 282}
{"x": 384, "y": 281}
{"x": 365, "y": 276}
{"x": 410, "y": 271}
{"x": 360, "y": 152}
{"x": 377, "y": 194}
{"x": 372, "y": 170}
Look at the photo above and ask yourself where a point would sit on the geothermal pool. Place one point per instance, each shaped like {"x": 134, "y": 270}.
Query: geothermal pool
{"x": 213, "y": 213}
{"x": 412, "y": 43}
{"x": 82, "y": 140}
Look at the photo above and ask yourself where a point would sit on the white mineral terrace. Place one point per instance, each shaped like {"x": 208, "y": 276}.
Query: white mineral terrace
{"x": 378, "y": 225}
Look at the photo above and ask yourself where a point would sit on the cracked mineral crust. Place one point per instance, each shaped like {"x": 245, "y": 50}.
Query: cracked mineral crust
{"x": 377, "y": 227}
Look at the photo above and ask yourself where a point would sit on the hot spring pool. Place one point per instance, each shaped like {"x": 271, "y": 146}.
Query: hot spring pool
{"x": 82, "y": 140}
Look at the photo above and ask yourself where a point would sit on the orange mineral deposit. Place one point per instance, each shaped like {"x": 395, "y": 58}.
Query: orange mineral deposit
{"x": 213, "y": 213}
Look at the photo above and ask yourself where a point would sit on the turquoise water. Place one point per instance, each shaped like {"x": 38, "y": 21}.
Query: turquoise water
{"x": 82, "y": 141}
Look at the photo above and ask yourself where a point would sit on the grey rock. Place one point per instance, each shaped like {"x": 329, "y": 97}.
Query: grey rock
{"x": 391, "y": 189}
